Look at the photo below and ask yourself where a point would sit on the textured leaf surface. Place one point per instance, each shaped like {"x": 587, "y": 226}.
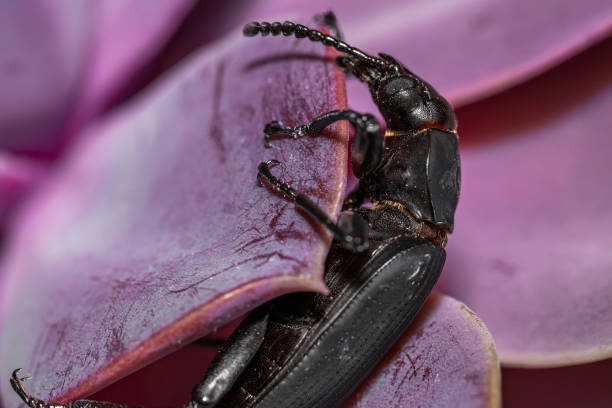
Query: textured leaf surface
{"x": 446, "y": 359}
{"x": 531, "y": 253}
{"x": 155, "y": 230}
{"x": 61, "y": 61}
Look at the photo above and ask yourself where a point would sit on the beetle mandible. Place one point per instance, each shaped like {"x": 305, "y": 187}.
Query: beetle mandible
{"x": 312, "y": 350}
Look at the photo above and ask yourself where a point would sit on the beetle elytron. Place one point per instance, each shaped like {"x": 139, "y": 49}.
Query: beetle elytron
{"x": 312, "y": 350}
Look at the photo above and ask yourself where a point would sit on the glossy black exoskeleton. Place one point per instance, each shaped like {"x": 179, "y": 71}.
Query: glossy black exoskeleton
{"x": 312, "y": 350}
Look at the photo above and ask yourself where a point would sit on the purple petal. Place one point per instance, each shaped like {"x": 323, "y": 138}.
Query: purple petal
{"x": 62, "y": 61}
{"x": 465, "y": 49}
{"x": 531, "y": 253}
{"x": 155, "y": 231}
{"x": 446, "y": 359}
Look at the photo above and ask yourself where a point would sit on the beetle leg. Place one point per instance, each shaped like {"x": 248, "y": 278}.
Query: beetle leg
{"x": 351, "y": 229}
{"x": 368, "y": 143}
{"x": 232, "y": 359}
{"x": 32, "y": 402}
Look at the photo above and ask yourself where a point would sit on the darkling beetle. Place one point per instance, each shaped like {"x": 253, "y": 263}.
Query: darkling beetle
{"x": 312, "y": 350}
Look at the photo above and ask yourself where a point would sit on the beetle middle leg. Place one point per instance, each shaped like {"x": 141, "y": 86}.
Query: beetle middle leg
{"x": 351, "y": 230}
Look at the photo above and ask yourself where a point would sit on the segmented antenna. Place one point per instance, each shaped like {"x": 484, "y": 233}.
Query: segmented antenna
{"x": 300, "y": 31}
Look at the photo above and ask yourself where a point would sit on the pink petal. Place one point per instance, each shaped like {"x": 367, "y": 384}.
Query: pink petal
{"x": 155, "y": 231}
{"x": 465, "y": 49}
{"x": 61, "y": 62}
{"x": 446, "y": 359}
{"x": 531, "y": 253}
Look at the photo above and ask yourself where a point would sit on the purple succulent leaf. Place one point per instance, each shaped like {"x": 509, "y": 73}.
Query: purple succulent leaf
{"x": 445, "y": 359}
{"x": 531, "y": 253}
{"x": 61, "y": 62}
{"x": 154, "y": 231}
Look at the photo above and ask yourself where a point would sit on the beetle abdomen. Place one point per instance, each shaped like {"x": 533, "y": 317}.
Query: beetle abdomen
{"x": 352, "y": 333}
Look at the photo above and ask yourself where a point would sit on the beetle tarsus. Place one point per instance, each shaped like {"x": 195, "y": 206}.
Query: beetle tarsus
{"x": 18, "y": 386}
{"x": 32, "y": 402}
{"x": 276, "y": 128}
{"x": 351, "y": 231}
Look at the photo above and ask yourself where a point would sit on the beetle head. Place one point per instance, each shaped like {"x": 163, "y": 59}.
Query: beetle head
{"x": 407, "y": 102}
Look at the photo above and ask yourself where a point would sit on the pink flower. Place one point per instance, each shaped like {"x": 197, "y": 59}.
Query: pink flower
{"x": 134, "y": 223}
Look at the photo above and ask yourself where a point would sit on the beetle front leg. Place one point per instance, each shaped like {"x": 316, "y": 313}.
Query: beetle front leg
{"x": 368, "y": 143}
{"x": 351, "y": 229}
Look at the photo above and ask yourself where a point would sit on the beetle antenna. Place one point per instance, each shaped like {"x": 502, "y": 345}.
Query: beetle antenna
{"x": 301, "y": 31}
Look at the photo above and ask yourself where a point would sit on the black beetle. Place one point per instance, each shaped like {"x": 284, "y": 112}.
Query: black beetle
{"x": 312, "y": 350}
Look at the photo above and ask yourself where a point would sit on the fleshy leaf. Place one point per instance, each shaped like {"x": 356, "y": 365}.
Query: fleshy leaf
{"x": 61, "y": 62}
{"x": 155, "y": 230}
{"x": 446, "y": 359}
{"x": 531, "y": 252}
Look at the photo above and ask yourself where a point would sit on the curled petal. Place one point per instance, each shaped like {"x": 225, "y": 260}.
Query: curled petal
{"x": 155, "y": 230}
